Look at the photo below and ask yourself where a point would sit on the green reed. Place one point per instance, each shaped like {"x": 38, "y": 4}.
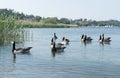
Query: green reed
{"x": 9, "y": 31}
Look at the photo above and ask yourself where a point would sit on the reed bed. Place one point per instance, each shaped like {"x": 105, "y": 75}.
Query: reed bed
{"x": 9, "y": 31}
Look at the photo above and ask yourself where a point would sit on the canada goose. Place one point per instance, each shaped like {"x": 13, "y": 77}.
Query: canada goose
{"x": 102, "y": 39}
{"x": 65, "y": 41}
{"x": 107, "y": 38}
{"x": 84, "y": 38}
{"x": 57, "y": 47}
{"x": 20, "y": 50}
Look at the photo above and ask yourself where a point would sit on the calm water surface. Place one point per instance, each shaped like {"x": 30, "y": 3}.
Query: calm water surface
{"x": 79, "y": 60}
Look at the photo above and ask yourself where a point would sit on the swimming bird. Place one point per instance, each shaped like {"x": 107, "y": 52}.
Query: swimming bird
{"x": 102, "y": 39}
{"x": 19, "y": 50}
{"x": 107, "y": 38}
{"x": 65, "y": 41}
{"x": 84, "y": 38}
{"x": 57, "y": 47}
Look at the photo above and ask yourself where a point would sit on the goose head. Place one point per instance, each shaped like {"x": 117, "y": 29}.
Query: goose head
{"x": 82, "y": 36}
{"x": 55, "y": 37}
{"x": 63, "y": 38}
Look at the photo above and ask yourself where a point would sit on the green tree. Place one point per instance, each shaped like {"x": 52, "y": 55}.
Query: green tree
{"x": 64, "y": 21}
{"x": 37, "y": 18}
{"x": 51, "y": 20}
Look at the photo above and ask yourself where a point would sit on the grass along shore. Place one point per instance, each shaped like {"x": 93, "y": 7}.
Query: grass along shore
{"x": 31, "y": 24}
{"x": 11, "y": 29}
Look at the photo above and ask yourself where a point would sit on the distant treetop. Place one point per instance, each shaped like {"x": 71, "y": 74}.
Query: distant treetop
{"x": 10, "y": 13}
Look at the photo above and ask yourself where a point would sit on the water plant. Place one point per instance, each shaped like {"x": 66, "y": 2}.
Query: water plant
{"x": 9, "y": 30}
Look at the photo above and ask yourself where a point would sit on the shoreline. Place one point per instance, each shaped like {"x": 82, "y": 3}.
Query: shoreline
{"x": 46, "y": 25}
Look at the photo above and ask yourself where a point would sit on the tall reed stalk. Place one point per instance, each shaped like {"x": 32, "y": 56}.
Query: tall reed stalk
{"x": 9, "y": 30}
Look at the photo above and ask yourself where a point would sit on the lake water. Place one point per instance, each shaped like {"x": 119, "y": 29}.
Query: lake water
{"x": 78, "y": 60}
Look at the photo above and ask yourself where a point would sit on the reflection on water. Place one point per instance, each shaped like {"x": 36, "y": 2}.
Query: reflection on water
{"x": 14, "y": 58}
{"x": 54, "y": 53}
{"x": 86, "y": 42}
{"x": 103, "y": 44}
{"x": 78, "y": 60}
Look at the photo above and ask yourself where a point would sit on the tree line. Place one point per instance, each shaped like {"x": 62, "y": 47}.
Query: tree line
{"x": 10, "y": 13}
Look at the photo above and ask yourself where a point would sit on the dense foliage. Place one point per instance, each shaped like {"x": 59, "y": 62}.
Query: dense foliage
{"x": 9, "y": 13}
{"x": 9, "y": 28}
